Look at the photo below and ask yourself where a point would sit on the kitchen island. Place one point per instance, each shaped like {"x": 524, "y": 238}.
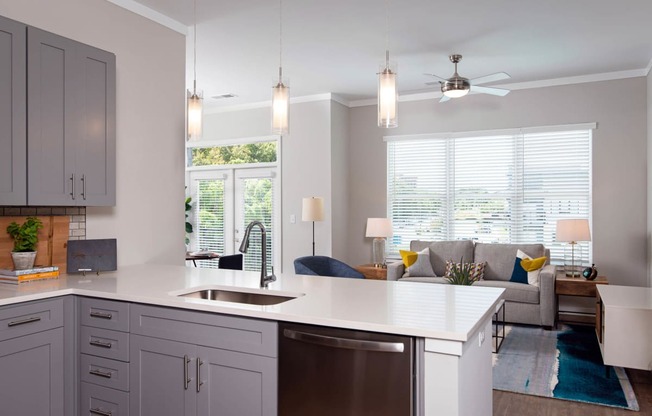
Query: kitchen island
{"x": 452, "y": 324}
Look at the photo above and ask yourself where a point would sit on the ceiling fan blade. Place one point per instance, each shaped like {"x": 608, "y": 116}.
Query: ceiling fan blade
{"x": 489, "y": 90}
{"x": 436, "y": 76}
{"x": 444, "y": 98}
{"x": 438, "y": 83}
{"x": 498, "y": 76}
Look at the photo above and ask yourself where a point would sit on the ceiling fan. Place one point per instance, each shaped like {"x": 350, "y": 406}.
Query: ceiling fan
{"x": 457, "y": 86}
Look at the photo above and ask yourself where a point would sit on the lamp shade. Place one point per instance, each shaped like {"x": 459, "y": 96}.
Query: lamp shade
{"x": 379, "y": 227}
{"x": 312, "y": 209}
{"x": 573, "y": 230}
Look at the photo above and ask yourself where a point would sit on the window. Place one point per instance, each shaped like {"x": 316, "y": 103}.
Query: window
{"x": 232, "y": 185}
{"x": 493, "y": 187}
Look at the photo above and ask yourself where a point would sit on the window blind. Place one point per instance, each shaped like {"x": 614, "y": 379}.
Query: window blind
{"x": 209, "y": 217}
{"x": 503, "y": 188}
{"x": 257, "y": 204}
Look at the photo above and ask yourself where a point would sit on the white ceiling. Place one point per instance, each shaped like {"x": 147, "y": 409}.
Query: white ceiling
{"x": 336, "y": 46}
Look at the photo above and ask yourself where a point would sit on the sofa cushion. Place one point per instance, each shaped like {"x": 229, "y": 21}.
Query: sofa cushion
{"x": 477, "y": 269}
{"x": 424, "y": 279}
{"x": 514, "y": 292}
{"x": 500, "y": 258}
{"x": 419, "y": 263}
{"x": 442, "y": 251}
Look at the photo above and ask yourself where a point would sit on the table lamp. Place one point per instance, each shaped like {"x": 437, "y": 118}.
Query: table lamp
{"x": 312, "y": 210}
{"x": 572, "y": 231}
{"x": 379, "y": 229}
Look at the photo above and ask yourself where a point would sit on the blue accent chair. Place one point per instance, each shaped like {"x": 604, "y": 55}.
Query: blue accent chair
{"x": 325, "y": 266}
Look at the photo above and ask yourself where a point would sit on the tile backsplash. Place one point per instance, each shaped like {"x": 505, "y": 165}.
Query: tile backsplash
{"x": 77, "y": 216}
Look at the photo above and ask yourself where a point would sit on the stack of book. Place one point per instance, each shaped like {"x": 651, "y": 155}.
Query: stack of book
{"x": 29, "y": 275}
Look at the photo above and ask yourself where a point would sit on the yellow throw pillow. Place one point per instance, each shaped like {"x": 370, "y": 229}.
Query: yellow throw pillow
{"x": 531, "y": 265}
{"x": 409, "y": 257}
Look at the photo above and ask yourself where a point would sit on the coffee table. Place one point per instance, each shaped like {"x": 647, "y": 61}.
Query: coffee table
{"x": 499, "y": 322}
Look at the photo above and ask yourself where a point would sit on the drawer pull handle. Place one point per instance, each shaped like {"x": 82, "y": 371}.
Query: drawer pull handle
{"x": 101, "y": 315}
{"x": 24, "y": 321}
{"x": 97, "y": 343}
{"x": 100, "y": 412}
{"x": 186, "y": 380}
{"x": 100, "y": 373}
{"x": 199, "y": 382}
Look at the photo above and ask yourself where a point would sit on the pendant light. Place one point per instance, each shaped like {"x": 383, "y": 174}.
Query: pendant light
{"x": 281, "y": 90}
{"x": 195, "y": 111}
{"x": 387, "y": 92}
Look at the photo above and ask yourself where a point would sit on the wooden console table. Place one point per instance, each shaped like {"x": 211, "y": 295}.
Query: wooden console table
{"x": 576, "y": 286}
{"x": 372, "y": 272}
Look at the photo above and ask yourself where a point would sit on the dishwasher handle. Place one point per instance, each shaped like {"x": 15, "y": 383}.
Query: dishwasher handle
{"x": 347, "y": 343}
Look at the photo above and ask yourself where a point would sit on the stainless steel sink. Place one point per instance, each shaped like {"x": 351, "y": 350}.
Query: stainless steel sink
{"x": 238, "y": 297}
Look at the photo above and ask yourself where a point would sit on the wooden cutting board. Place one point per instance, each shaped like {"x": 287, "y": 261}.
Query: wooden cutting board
{"x": 51, "y": 248}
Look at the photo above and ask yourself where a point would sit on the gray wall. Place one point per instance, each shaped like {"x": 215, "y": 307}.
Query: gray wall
{"x": 305, "y": 171}
{"x": 649, "y": 176}
{"x": 619, "y": 159}
{"x": 148, "y": 217}
{"x": 340, "y": 179}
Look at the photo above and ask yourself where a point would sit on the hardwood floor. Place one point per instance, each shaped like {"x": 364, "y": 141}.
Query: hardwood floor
{"x": 514, "y": 404}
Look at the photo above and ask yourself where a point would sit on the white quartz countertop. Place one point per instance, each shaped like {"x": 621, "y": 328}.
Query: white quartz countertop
{"x": 409, "y": 308}
{"x": 626, "y": 297}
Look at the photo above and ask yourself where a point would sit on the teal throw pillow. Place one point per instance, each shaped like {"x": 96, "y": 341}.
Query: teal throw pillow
{"x": 519, "y": 274}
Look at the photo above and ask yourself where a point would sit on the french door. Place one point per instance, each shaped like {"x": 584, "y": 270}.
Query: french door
{"x": 225, "y": 201}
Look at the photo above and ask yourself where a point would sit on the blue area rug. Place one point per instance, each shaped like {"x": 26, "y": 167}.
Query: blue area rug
{"x": 562, "y": 364}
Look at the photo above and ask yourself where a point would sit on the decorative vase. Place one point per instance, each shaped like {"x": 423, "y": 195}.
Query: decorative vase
{"x": 590, "y": 273}
{"x": 23, "y": 260}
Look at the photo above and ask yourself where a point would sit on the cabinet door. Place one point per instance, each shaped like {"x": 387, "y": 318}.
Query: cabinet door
{"x": 31, "y": 374}
{"x": 95, "y": 158}
{"x": 52, "y": 76}
{"x": 13, "y": 135}
{"x": 161, "y": 379}
{"x": 236, "y": 384}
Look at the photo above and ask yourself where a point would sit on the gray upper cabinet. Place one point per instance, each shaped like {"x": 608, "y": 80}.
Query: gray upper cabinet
{"x": 70, "y": 122}
{"x": 13, "y": 146}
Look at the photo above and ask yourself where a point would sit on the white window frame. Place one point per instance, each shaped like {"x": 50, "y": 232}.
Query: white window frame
{"x": 518, "y": 138}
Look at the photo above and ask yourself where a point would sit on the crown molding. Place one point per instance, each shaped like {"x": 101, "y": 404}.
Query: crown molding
{"x": 264, "y": 104}
{"x": 151, "y": 14}
{"x": 555, "y": 82}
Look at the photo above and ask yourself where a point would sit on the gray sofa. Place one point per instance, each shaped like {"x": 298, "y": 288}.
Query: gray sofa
{"x": 524, "y": 303}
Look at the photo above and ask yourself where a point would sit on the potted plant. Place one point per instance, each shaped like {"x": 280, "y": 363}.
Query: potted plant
{"x": 188, "y": 224}
{"x": 461, "y": 273}
{"x": 25, "y": 238}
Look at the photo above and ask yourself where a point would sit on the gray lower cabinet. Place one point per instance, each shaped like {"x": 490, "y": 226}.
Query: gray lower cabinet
{"x": 195, "y": 363}
{"x": 13, "y": 133}
{"x": 32, "y": 359}
{"x": 70, "y": 122}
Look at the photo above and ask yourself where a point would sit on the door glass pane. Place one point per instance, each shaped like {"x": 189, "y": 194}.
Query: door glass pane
{"x": 209, "y": 218}
{"x": 257, "y": 205}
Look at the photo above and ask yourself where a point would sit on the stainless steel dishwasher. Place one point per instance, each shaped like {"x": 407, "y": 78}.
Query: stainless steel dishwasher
{"x": 330, "y": 371}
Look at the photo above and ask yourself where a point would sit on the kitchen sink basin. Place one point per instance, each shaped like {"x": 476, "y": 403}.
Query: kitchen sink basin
{"x": 238, "y": 297}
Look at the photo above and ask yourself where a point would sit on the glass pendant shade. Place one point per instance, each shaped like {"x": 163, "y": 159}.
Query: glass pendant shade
{"x": 195, "y": 115}
{"x": 280, "y": 108}
{"x": 387, "y": 97}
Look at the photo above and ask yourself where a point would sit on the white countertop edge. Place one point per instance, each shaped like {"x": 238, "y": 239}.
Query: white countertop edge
{"x": 240, "y": 310}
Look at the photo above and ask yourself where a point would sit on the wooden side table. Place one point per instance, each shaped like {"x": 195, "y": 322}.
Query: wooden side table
{"x": 576, "y": 286}
{"x": 372, "y": 272}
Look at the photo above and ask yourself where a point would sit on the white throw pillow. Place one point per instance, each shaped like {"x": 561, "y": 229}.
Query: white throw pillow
{"x": 422, "y": 267}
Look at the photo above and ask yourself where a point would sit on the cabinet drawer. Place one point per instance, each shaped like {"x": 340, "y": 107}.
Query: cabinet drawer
{"x": 30, "y": 318}
{"x": 108, "y": 314}
{"x": 104, "y": 343}
{"x": 100, "y": 401}
{"x": 105, "y": 372}
{"x": 251, "y": 336}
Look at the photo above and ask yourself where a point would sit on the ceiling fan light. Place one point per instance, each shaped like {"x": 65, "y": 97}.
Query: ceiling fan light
{"x": 456, "y": 87}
